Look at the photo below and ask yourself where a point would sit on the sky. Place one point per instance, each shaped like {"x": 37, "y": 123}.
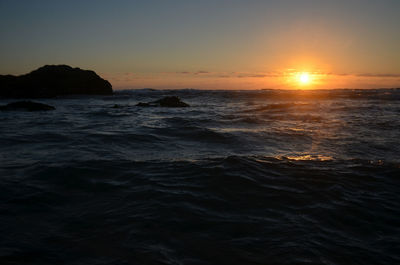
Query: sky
{"x": 208, "y": 44}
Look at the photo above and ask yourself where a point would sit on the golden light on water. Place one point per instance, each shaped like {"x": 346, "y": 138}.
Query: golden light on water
{"x": 307, "y": 157}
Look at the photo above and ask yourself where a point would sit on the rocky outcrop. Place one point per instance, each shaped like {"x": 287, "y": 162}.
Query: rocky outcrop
{"x": 170, "y": 102}
{"x": 26, "y": 106}
{"x": 54, "y": 80}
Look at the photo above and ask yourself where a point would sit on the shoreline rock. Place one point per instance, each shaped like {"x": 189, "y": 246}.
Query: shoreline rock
{"x": 52, "y": 81}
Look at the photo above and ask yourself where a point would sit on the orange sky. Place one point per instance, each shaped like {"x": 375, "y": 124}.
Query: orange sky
{"x": 262, "y": 80}
{"x": 225, "y": 44}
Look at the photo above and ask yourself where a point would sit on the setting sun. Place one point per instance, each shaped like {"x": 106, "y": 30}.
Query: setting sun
{"x": 304, "y": 78}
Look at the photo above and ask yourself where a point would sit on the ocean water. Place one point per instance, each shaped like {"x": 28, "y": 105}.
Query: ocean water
{"x": 240, "y": 177}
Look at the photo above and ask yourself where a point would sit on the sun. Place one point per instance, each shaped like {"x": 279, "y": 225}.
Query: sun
{"x": 304, "y": 78}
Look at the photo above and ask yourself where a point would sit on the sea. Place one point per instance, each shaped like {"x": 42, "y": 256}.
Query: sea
{"x": 239, "y": 177}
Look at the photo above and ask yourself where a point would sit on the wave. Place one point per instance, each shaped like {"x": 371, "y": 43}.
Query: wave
{"x": 279, "y": 107}
{"x": 243, "y": 177}
{"x": 195, "y": 133}
{"x": 246, "y": 203}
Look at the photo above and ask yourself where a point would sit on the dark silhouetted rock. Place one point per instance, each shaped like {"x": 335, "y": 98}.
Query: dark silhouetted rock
{"x": 26, "y": 106}
{"x": 173, "y": 102}
{"x": 170, "y": 102}
{"x": 54, "y": 80}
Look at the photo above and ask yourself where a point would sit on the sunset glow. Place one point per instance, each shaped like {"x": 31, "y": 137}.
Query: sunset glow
{"x": 304, "y": 78}
{"x": 209, "y": 44}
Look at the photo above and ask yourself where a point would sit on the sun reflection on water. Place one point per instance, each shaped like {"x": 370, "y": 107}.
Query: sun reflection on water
{"x": 309, "y": 157}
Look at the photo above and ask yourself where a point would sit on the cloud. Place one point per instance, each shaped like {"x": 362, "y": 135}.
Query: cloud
{"x": 201, "y": 72}
{"x": 258, "y": 75}
{"x": 339, "y": 74}
{"x": 379, "y": 75}
{"x": 193, "y": 73}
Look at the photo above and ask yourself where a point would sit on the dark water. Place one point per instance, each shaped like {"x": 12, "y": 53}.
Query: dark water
{"x": 258, "y": 177}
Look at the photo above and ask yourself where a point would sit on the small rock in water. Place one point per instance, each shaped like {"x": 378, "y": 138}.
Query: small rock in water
{"x": 26, "y": 106}
{"x": 170, "y": 102}
{"x": 173, "y": 102}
